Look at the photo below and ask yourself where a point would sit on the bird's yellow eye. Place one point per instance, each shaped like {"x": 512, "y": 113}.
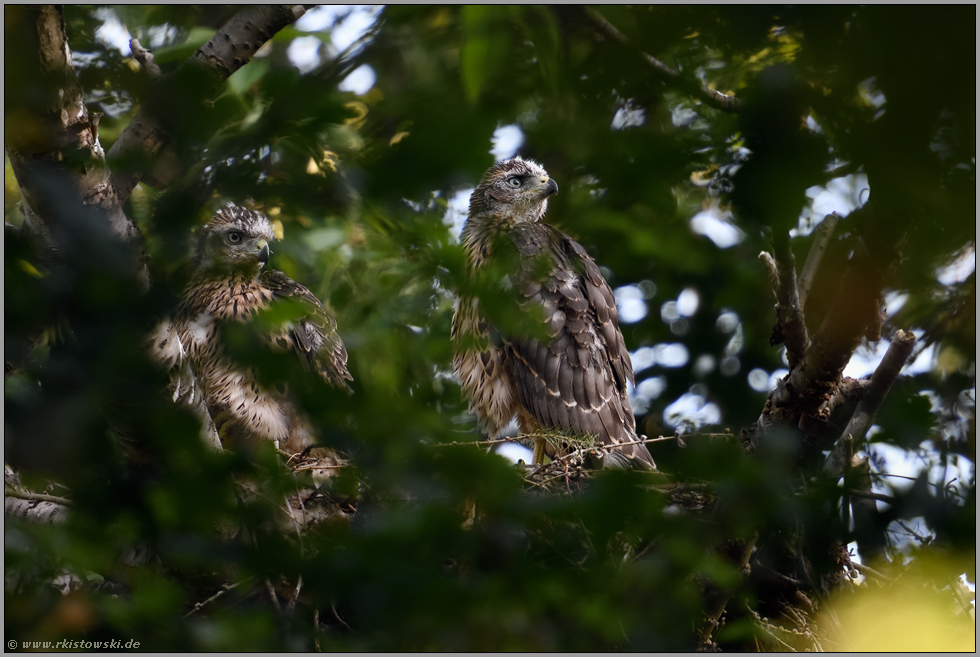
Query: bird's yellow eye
{"x": 515, "y": 181}
{"x": 234, "y": 237}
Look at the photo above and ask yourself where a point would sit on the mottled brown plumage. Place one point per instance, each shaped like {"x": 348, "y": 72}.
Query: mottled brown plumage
{"x": 229, "y": 285}
{"x": 575, "y": 380}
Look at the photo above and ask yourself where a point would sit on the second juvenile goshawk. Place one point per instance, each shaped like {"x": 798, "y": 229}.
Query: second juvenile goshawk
{"x": 231, "y": 284}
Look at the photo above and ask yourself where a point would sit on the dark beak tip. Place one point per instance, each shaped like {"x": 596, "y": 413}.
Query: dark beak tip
{"x": 552, "y": 187}
{"x": 264, "y": 254}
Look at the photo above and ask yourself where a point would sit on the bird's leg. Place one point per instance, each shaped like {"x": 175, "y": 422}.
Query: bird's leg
{"x": 528, "y": 426}
{"x": 538, "y": 458}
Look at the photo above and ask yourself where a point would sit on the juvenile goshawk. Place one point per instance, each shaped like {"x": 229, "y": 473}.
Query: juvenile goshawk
{"x": 571, "y": 374}
{"x": 231, "y": 284}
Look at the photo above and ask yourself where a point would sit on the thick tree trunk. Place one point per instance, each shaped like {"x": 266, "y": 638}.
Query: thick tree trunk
{"x": 53, "y": 141}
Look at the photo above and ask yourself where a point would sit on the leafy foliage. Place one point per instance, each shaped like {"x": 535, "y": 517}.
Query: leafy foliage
{"x": 366, "y": 188}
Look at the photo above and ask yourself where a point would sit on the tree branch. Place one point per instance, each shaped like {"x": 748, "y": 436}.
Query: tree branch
{"x": 53, "y": 141}
{"x": 145, "y": 139}
{"x": 33, "y": 510}
{"x": 771, "y": 272}
{"x": 37, "y": 497}
{"x": 805, "y": 394}
{"x": 669, "y": 75}
{"x": 145, "y": 58}
{"x": 881, "y": 382}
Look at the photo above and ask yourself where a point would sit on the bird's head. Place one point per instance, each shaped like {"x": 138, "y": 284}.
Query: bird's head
{"x": 236, "y": 238}
{"x": 514, "y": 191}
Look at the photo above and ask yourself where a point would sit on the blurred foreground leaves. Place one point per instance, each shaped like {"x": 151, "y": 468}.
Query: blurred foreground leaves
{"x": 368, "y": 189}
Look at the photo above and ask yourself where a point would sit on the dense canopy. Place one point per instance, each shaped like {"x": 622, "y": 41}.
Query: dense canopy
{"x": 801, "y": 497}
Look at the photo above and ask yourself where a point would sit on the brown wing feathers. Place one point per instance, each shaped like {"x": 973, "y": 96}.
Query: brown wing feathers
{"x": 314, "y": 336}
{"x": 578, "y": 380}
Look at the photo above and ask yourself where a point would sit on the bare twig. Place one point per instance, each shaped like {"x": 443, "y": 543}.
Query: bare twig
{"x": 877, "y": 497}
{"x": 767, "y": 627}
{"x": 919, "y": 537}
{"x": 200, "y": 605}
{"x": 881, "y": 382}
{"x": 867, "y": 570}
{"x": 292, "y": 600}
{"x": 272, "y": 595}
{"x": 476, "y": 443}
{"x": 39, "y": 497}
{"x": 669, "y": 75}
{"x": 340, "y": 620}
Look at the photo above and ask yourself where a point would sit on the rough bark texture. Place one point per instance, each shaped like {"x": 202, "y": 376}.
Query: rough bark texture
{"x": 61, "y": 168}
{"x": 807, "y": 392}
{"x": 789, "y": 585}
{"x": 52, "y": 139}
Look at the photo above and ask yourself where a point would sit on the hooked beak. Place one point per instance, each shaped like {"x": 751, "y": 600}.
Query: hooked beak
{"x": 264, "y": 251}
{"x": 550, "y": 187}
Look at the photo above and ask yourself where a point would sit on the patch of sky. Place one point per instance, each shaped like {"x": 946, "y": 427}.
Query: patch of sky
{"x": 730, "y": 366}
{"x": 759, "y": 380}
{"x": 457, "y": 209}
{"x": 905, "y": 466}
{"x": 360, "y": 80}
{"x": 704, "y": 365}
{"x": 960, "y": 267}
{"x": 776, "y": 377}
{"x": 812, "y": 124}
{"x": 514, "y": 452}
{"x": 670, "y": 354}
{"x": 842, "y": 195}
{"x": 690, "y": 412}
{"x": 727, "y": 321}
{"x": 717, "y": 226}
{"x": 628, "y": 116}
{"x": 868, "y": 356}
{"x": 868, "y": 89}
{"x": 762, "y": 381}
{"x": 894, "y": 301}
{"x": 304, "y": 53}
{"x": 682, "y": 116}
{"x": 630, "y": 303}
{"x": 645, "y": 392}
{"x": 687, "y": 302}
{"x": 348, "y": 24}
{"x": 112, "y": 32}
{"x": 506, "y": 140}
